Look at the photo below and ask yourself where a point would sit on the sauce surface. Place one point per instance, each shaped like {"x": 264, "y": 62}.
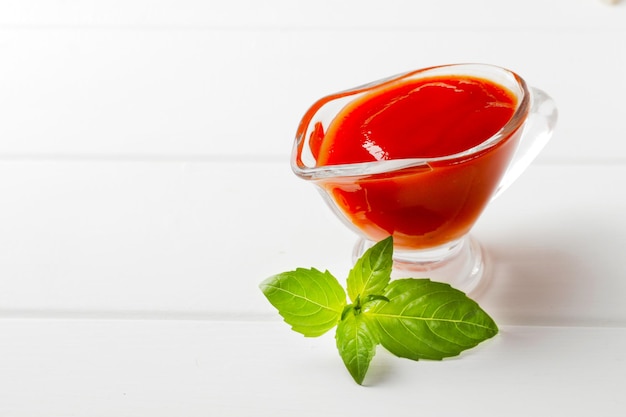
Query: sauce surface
{"x": 417, "y": 119}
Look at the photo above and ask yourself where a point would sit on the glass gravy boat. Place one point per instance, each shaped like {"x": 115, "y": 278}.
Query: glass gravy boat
{"x": 429, "y": 205}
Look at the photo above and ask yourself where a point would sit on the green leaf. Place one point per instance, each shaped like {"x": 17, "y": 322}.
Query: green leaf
{"x": 309, "y": 300}
{"x": 411, "y": 318}
{"x": 429, "y": 320}
{"x": 372, "y": 271}
{"x": 356, "y": 342}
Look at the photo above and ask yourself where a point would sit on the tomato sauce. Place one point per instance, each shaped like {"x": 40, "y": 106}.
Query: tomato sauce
{"x": 427, "y": 118}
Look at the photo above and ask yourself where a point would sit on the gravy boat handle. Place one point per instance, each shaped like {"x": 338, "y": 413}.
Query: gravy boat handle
{"x": 538, "y": 129}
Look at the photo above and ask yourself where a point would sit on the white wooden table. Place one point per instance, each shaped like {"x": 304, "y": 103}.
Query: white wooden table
{"x": 145, "y": 191}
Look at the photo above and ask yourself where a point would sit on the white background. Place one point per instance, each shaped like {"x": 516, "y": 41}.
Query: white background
{"x": 145, "y": 191}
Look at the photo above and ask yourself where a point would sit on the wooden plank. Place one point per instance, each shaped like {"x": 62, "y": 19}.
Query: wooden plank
{"x": 198, "y": 368}
{"x": 135, "y": 237}
{"x": 196, "y": 93}
{"x": 191, "y": 239}
{"x": 364, "y": 14}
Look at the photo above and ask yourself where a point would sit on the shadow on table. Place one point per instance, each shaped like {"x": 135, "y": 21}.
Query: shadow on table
{"x": 566, "y": 275}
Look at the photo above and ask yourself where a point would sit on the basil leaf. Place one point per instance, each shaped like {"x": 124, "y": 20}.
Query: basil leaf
{"x": 372, "y": 271}
{"x": 309, "y": 300}
{"x": 429, "y": 320}
{"x": 356, "y": 342}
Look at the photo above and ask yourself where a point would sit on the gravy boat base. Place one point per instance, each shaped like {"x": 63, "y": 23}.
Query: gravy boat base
{"x": 460, "y": 263}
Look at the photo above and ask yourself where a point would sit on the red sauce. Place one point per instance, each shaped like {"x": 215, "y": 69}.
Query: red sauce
{"x": 425, "y": 118}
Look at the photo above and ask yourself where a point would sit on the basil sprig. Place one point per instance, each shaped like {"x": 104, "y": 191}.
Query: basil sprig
{"x": 411, "y": 318}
